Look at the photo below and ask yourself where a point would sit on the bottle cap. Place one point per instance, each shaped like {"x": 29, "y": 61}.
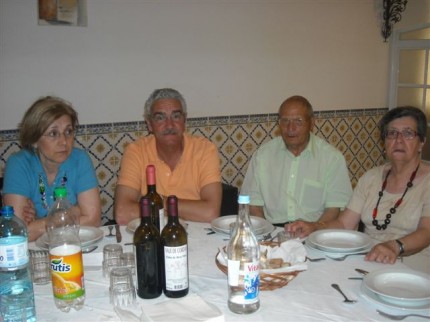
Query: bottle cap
{"x": 60, "y": 192}
{"x": 7, "y": 211}
{"x": 243, "y": 199}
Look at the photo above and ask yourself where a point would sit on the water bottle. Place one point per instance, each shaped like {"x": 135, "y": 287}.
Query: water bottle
{"x": 16, "y": 288}
{"x": 65, "y": 254}
{"x": 243, "y": 253}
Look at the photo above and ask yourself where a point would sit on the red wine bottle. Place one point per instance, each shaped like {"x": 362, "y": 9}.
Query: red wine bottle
{"x": 147, "y": 243}
{"x": 175, "y": 253}
{"x": 157, "y": 211}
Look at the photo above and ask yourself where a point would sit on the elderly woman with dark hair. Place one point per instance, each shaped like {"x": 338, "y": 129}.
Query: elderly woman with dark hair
{"x": 392, "y": 200}
{"x": 47, "y": 160}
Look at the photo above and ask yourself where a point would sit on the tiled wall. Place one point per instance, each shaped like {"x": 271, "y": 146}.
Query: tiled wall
{"x": 353, "y": 132}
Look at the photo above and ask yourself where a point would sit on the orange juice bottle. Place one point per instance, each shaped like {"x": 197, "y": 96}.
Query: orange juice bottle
{"x": 65, "y": 254}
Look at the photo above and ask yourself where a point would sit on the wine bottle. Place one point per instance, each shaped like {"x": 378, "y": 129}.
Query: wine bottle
{"x": 156, "y": 200}
{"x": 175, "y": 253}
{"x": 147, "y": 243}
{"x": 243, "y": 253}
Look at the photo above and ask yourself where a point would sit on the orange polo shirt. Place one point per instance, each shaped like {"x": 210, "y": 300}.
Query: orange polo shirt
{"x": 198, "y": 166}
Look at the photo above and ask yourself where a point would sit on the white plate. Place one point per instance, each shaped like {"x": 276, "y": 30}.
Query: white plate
{"x": 340, "y": 240}
{"x": 87, "y": 235}
{"x": 336, "y": 253}
{"x": 401, "y": 287}
{"x": 378, "y": 301}
{"x": 133, "y": 224}
{"x": 260, "y": 225}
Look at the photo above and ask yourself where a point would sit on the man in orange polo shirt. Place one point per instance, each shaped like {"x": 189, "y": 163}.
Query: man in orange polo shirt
{"x": 186, "y": 166}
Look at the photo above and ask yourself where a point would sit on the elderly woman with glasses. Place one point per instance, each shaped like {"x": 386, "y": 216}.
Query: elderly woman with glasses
{"x": 48, "y": 160}
{"x": 392, "y": 200}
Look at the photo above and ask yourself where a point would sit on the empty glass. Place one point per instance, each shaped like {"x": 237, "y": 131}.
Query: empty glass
{"x": 40, "y": 266}
{"x": 122, "y": 291}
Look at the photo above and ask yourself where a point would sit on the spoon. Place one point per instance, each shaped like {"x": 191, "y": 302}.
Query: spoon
{"x": 401, "y": 317}
{"x": 342, "y": 258}
{"x": 89, "y": 249}
{"x": 347, "y": 300}
{"x": 110, "y": 232}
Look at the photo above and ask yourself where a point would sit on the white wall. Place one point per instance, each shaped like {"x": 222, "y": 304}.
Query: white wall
{"x": 227, "y": 57}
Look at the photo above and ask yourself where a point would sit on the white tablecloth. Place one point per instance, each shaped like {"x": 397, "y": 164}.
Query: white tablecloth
{"x": 309, "y": 297}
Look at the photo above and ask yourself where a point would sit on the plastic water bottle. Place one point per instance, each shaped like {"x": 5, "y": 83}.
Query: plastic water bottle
{"x": 16, "y": 288}
{"x": 65, "y": 254}
{"x": 243, "y": 264}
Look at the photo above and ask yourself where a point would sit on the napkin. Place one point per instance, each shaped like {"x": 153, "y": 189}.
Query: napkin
{"x": 291, "y": 251}
{"x": 189, "y": 308}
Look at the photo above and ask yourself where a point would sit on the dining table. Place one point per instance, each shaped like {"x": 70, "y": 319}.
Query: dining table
{"x": 307, "y": 297}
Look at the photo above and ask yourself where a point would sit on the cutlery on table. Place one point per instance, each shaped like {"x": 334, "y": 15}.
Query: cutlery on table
{"x": 315, "y": 259}
{"x": 342, "y": 258}
{"x": 401, "y": 317}
{"x": 110, "y": 232}
{"x": 347, "y": 300}
{"x": 361, "y": 271}
{"x": 118, "y": 234}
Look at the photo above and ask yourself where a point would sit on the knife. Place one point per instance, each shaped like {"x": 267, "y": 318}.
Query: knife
{"x": 361, "y": 271}
{"x": 118, "y": 234}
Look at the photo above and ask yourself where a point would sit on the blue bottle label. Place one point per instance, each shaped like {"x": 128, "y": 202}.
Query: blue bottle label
{"x": 13, "y": 251}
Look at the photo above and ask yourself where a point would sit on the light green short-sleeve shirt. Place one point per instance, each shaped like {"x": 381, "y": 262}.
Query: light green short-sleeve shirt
{"x": 290, "y": 187}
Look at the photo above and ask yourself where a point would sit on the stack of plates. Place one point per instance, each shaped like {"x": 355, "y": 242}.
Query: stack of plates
{"x": 88, "y": 236}
{"x": 398, "y": 288}
{"x": 260, "y": 225}
{"x": 339, "y": 241}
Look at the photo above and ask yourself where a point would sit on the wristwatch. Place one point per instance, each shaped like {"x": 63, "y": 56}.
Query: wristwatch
{"x": 401, "y": 246}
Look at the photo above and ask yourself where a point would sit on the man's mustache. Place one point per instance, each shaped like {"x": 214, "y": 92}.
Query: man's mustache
{"x": 169, "y": 132}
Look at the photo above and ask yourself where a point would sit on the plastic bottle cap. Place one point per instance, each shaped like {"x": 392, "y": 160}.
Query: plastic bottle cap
{"x": 7, "y": 211}
{"x": 243, "y": 199}
{"x": 60, "y": 192}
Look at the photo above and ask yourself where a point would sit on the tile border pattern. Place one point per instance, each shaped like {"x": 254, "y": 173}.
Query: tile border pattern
{"x": 353, "y": 132}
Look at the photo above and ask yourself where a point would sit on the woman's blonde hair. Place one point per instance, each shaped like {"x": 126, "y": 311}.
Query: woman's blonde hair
{"x": 40, "y": 116}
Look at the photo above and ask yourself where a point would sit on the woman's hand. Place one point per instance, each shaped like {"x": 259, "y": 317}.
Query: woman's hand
{"x": 29, "y": 212}
{"x": 385, "y": 253}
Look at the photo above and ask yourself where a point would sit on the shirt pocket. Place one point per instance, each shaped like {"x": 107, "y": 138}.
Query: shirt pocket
{"x": 312, "y": 196}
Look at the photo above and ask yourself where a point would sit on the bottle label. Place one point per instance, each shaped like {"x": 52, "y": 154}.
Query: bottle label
{"x": 67, "y": 272}
{"x": 249, "y": 277}
{"x": 176, "y": 267}
{"x": 13, "y": 251}
{"x": 162, "y": 221}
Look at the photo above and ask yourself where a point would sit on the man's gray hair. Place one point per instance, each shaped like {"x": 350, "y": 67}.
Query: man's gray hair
{"x": 163, "y": 93}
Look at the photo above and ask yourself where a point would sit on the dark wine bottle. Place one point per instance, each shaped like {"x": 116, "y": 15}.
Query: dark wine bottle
{"x": 175, "y": 253}
{"x": 149, "y": 264}
{"x": 157, "y": 211}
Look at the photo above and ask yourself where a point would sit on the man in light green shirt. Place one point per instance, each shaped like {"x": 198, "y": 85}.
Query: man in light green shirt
{"x": 297, "y": 175}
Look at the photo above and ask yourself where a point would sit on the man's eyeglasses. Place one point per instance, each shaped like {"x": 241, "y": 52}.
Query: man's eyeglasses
{"x": 284, "y": 121}
{"x": 162, "y": 117}
{"x": 55, "y": 134}
{"x": 406, "y": 134}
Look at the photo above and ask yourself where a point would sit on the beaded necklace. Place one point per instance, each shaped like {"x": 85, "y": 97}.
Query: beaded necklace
{"x": 42, "y": 189}
{"x": 387, "y": 220}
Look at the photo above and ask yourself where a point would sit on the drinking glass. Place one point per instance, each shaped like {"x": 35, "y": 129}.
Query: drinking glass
{"x": 40, "y": 266}
{"x": 122, "y": 291}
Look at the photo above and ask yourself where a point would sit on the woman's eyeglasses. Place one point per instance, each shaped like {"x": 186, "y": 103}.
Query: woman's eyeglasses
{"x": 55, "y": 134}
{"x": 406, "y": 134}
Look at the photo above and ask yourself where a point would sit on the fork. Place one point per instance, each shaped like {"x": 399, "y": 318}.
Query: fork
{"x": 401, "y": 317}
{"x": 342, "y": 258}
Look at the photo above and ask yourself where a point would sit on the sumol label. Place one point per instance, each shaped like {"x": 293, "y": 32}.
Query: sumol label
{"x": 13, "y": 251}
{"x": 67, "y": 272}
